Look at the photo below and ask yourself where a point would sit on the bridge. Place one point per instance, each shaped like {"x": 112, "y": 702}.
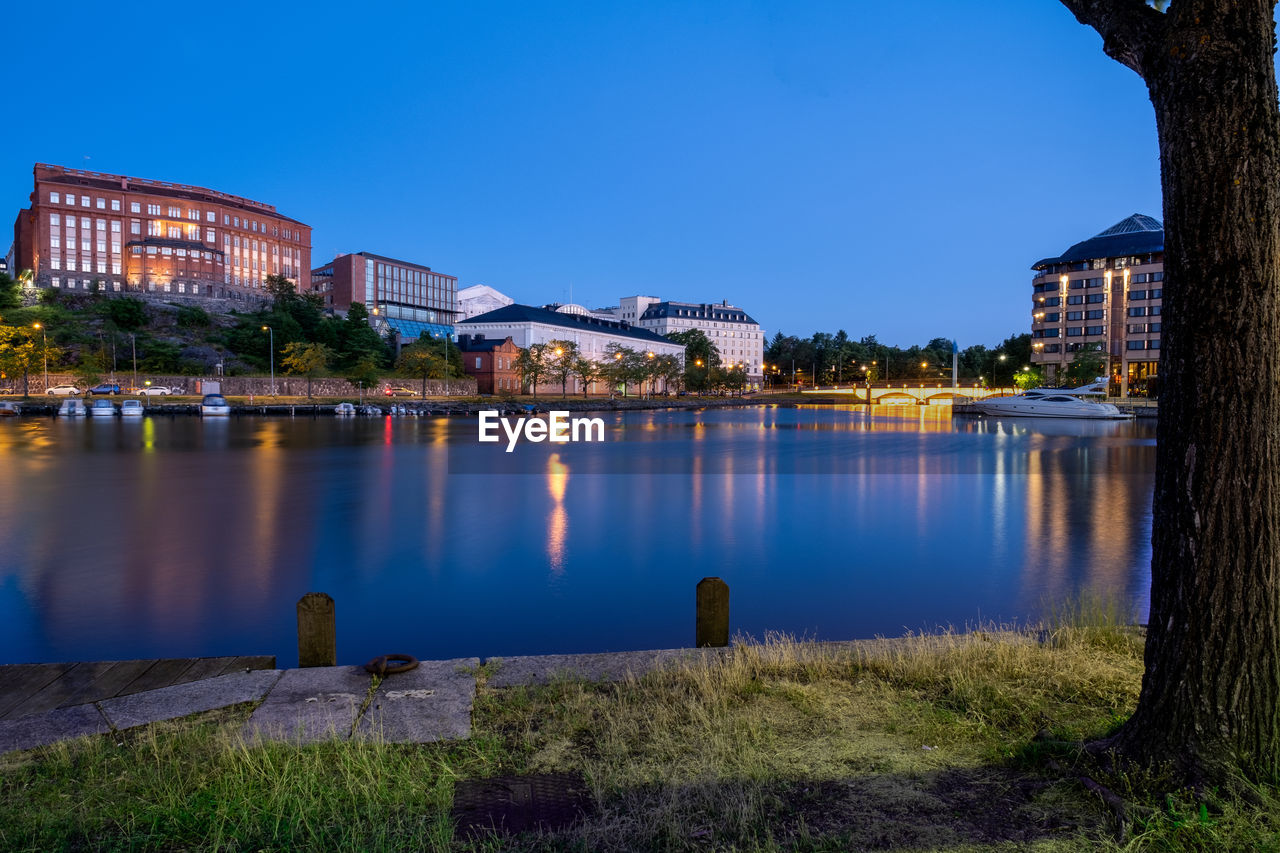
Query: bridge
{"x": 911, "y": 395}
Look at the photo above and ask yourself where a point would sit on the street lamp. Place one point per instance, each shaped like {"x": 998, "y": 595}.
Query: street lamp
{"x": 271, "y": 333}
{"x": 44, "y": 350}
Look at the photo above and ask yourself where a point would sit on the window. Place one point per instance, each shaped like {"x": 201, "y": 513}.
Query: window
{"x": 101, "y": 204}
{"x": 55, "y": 262}
{"x": 1154, "y": 311}
{"x": 1137, "y": 295}
{"x": 84, "y": 201}
{"x": 153, "y": 209}
{"x": 57, "y": 281}
{"x": 135, "y": 207}
{"x": 1136, "y": 328}
{"x": 1157, "y": 276}
{"x": 115, "y": 204}
{"x": 1053, "y": 301}
{"x": 175, "y": 232}
{"x": 1153, "y": 345}
{"x": 1135, "y": 345}
{"x": 1153, "y": 327}
{"x": 1157, "y": 294}
{"x": 1052, "y": 347}
{"x": 1075, "y": 315}
{"x": 1074, "y": 331}
{"x": 209, "y": 216}
{"x": 135, "y": 227}
{"x": 55, "y": 241}
{"x": 115, "y": 247}
{"x": 1139, "y": 311}
{"x": 102, "y": 246}
{"x": 477, "y": 362}
{"x": 209, "y": 236}
{"x": 1095, "y": 330}
{"x": 1052, "y": 318}
{"x": 193, "y": 214}
{"x": 1094, "y": 298}
{"x": 53, "y": 198}
{"x": 175, "y": 212}
{"x": 1075, "y": 300}
{"x": 1096, "y": 314}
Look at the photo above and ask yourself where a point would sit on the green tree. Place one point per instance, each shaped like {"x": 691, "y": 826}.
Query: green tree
{"x": 587, "y": 371}
{"x": 126, "y": 313}
{"x": 1089, "y": 363}
{"x": 20, "y": 352}
{"x": 561, "y": 356}
{"x": 307, "y": 360}
{"x": 424, "y": 360}
{"x": 364, "y": 374}
{"x": 10, "y": 292}
{"x": 532, "y": 365}
{"x": 1210, "y": 692}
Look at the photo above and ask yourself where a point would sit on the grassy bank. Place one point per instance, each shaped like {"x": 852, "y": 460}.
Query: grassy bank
{"x": 943, "y": 742}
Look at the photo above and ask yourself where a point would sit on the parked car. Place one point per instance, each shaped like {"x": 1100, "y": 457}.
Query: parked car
{"x": 131, "y": 409}
{"x": 214, "y": 405}
{"x": 153, "y": 390}
{"x": 104, "y": 388}
{"x": 64, "y": 391}
{"x": 397, "y": 392}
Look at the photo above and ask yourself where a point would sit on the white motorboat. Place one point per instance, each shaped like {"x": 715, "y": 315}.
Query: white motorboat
{"x": 102, "y": 408}
{"x": 1053, "y": 403}
{"x": 131, "y": 409}
{"x": 344, "y": 409}
{"x": 72, "y": 407}
{"x": 214, "y": 405}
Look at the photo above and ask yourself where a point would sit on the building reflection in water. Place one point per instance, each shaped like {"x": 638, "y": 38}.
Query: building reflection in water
{"x": 179, "y": 537}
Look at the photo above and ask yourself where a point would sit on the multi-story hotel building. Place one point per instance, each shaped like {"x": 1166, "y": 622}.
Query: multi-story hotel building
{"x": 410, "y": 298}
{"x": 735, "y": 335}
{"x": 139, "y": 235}
{"x": 1103, "y": 293}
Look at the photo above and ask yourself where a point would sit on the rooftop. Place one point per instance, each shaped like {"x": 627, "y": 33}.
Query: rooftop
{"x": 580, "y": 322}
{"x": 701, "y": 311}
{"x": 1137, "y": 235}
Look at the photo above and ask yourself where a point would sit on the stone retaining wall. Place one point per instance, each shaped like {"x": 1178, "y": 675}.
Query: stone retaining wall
{"x": 325, "y": 386}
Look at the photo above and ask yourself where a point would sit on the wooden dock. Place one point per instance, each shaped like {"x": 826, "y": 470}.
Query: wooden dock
{"x": 34, "y": 688}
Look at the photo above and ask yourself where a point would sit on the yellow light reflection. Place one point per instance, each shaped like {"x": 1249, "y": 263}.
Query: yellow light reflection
{"x": 558, "y": 522}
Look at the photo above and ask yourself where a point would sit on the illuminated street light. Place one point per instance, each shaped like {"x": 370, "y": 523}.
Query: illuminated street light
{"x": 44, "y": 349}
{"x": 271, "y": 333}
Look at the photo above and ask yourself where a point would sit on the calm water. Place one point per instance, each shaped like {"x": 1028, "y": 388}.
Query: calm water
{"x": 177, "y": 537}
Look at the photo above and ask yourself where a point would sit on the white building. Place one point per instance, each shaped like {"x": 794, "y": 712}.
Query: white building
{"x": 735, "y": 335}
{"x": 527, "y": 325}
{"x": 480, "y": 299}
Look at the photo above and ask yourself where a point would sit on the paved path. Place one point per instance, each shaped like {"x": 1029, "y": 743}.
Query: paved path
{"x": 44, "y": 703}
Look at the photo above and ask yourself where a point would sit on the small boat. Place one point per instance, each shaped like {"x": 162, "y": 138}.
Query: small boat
{"x": 102, "y": 408}
{"x": 214, "y": 405}
{"x": 72, "y": 407}
{"x": 343, "y": 409}
{"x": 8, "y": 410}
{"x": 1053, "y": 403}
{"x": 131, "y": 409}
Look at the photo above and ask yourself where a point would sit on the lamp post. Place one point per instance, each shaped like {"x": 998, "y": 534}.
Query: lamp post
{"x": 44, "y": 351}
{"x": 271, "y": 337}
{"x": 133, "y": 340}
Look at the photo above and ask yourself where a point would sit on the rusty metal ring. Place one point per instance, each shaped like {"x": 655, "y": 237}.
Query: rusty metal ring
{"x": 378, "y": 666}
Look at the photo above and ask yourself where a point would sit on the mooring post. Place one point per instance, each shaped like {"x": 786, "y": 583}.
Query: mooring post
{"x": 317, "y": 633}
{"x": 713, "y": 613}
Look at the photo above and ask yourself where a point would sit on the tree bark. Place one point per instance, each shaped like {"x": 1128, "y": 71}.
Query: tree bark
{"x": 1210, "y": 700}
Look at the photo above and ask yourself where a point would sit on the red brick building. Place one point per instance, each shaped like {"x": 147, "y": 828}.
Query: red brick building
{"x": 410, "y": 298}
{"x": 140, "y": 235}
{"x": 492, "y": 362}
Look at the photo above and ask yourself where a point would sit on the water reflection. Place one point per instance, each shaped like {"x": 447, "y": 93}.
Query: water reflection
{"x": 182, "y": 537}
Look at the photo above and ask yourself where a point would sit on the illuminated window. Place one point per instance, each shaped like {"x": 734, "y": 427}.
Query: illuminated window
{"x": 135, "y": 207}
{"x": 54, "y": 199}
{"x": 102, "y": 204}
{"x": 153, "y": 209}
{"x": 115, "y": 204}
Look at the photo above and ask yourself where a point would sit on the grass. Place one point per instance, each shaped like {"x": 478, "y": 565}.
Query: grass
{"x": 928, "y": 742}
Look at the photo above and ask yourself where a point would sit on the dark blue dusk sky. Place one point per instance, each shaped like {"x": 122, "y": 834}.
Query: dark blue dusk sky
{"x": 886, "y": 168}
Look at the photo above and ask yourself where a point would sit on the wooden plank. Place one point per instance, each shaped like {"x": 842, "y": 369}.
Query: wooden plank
{"x": 161, "y": 675}
{"x": 204, "y": 668}
{"x": 59, "y": 691}
{"x": 240, "y": 664}
{"x": 19, "y": 681}
{"x": 111, "y": 681}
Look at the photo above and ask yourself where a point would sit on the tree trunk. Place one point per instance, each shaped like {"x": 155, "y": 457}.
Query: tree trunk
{"x": 1210, "y": 701}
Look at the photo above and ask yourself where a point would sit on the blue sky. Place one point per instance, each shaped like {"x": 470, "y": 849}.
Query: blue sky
{"x": 885, "y": 168}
